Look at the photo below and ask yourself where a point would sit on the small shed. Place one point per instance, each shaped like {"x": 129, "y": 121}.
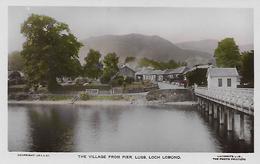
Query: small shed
{"x": 222, "y": 78}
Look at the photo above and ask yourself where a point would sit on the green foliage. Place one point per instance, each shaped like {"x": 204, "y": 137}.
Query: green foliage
{"x": 117, "y": 81}
{"x": 227, "y": 53}
{"x": 92, "y": 67}
{"x": 113, "y": 97}
{"x": 129, "y": 80}
{"x": 110, "y": 67}
{"x": 84, "y": 96}
{"x": 197, "y": 76}
{"x": 56, "y": 97}
{"x": 105, "y": 79}
{"x": 50, "y": 51}
{"x": 171, "y": 64}
{"x": 129, "y": 59}
{"x": 247, "y": 68}
{"x": 15, "y": 61}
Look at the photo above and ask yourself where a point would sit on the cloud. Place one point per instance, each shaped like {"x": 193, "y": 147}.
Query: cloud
{"x": 174, "y": 24}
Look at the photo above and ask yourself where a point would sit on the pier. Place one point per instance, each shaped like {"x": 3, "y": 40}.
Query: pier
{"x": 222, "y": 104}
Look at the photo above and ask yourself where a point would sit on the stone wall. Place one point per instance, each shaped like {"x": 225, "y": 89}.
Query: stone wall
{"x": 171, "y": 95}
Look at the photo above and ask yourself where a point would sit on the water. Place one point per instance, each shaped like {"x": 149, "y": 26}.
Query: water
{"x": 157, "y": 128}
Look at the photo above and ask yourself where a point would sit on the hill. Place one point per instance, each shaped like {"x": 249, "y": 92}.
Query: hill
{"x": 137, "y": 45}
{"x": 208, "y": 45}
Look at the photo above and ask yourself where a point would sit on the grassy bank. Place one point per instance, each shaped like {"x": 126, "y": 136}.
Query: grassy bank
{"x": 109, "y": 97}
{"x": 85, "y": 98}
{"x": 57, "y": 97}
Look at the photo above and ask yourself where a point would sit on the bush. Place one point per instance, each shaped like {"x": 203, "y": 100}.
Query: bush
{"x": 105, "y": 79}
{"x": 198, "y": 76}
{"x": 84, "y": 96}
{"x": 129, "y": 80}
{"x": 117, "y": 81}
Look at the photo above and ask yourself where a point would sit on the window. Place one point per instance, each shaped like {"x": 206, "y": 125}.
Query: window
{"x": 229, "y": 82}
{"x": 220, "y": 82}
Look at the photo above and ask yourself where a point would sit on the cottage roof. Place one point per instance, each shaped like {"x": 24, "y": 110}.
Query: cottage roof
{"x": 157, "y": 72}
{"x": 198, "y": 67}
{"x": 144, "y": 72}
{"x": 127, "y": 66}
{"x": 222, "y": 72}
{"x": 178, "y": 70}
{"x": 150, "y": 72}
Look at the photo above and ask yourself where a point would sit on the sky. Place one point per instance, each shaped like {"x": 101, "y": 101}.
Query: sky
{"x": 173, "y": 24}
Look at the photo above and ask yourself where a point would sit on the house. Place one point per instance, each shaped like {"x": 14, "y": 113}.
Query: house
{"x": 145, "y": 74}
{"x": 222, "y": 78}
{"x": 126, "y": 71}
{"x": 149, "y": 74}
{"x": 175, "y": 74}
{"x": 159, "y": 75}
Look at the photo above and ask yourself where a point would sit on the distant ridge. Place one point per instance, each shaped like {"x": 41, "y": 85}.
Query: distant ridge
{"x": 152, "y": 47}
{"x": 209, "y": 45}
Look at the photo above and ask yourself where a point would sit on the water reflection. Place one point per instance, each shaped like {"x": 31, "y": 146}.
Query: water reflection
{"x": 156, "y": 128}
{"x": 229, "y": 139}
{"x": 51, "y": 130}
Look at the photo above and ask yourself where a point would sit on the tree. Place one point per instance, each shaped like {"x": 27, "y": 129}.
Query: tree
{"x": 247, "y": 68}
{"x": 93, "y": 67}
{"x": 171, "y": 64}
{"x": 227, "y": 53}
{"x": 129, "y": 59}
{"x": 197, "y": 76}
{"x": 50, "y": 51}
{"x": 110, "y": 67}
{"x": 15, "y": 61}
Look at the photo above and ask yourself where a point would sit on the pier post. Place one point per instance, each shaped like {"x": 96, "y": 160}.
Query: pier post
{"x": 215, "y": 111}
{"x": 206, "y": 106}
{"x": 210, "y": 108}
{"x": 242, "y": 126}
{"x": 198, "y": 101}
{"x": 230, "y": 119}
{"x": 221, "y": 115}
{"x": 201, "y": 104}
{"x": 252, "y": 129}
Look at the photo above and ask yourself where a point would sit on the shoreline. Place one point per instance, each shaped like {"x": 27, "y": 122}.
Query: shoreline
{"x": 99, "y": 102}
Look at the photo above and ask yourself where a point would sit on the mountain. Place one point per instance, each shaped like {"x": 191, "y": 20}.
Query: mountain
{"x": 137, "y": 45}
{"x": 209, "y": 45}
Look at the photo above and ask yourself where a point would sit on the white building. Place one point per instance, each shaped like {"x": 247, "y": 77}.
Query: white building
{"x": 150, "y": 75}
{"x": 222, "y": 78}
